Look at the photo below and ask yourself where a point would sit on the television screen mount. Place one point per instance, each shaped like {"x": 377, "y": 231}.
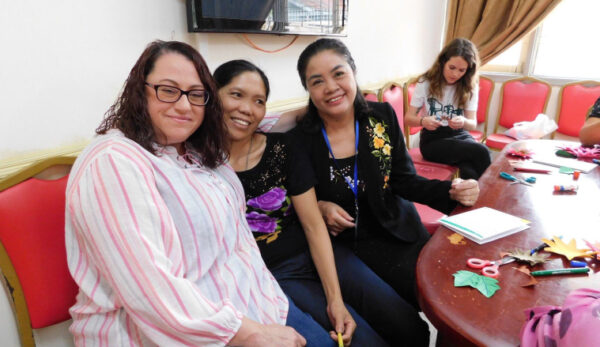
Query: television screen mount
{"x": 283, "y": 17}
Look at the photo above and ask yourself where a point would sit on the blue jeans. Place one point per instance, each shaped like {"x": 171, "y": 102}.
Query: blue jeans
{"x": 383, "y": 317}
{"x": 306, "y": 326}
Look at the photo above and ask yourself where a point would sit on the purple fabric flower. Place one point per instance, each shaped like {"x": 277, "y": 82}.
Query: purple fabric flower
{"x": 261, "y": 223}
{"x": 269, "y": 201}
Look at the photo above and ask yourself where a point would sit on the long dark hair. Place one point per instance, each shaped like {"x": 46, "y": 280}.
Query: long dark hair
{"x": 130, "y": 115}
{"x": 458, "y": 47}
{"x": 311, "y": 122}
{"x": 233, "y": 68}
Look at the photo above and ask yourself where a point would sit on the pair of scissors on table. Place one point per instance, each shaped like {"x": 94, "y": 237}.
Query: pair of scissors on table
{"x": 514, "y": 179}
{"x": 489, "y": 268}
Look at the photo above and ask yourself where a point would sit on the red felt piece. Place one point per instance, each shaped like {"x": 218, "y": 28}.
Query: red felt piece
{"x": 498, "y": 141}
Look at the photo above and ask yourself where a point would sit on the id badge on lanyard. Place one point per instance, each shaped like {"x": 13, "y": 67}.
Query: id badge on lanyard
{"x": 353, "y": 185}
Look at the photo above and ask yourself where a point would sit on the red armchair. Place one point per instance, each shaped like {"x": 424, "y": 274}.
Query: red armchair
{"x": 32, "y": 245}
{"x": 393, "y": 94}
{"x": 370, "y": 95}
{"x": 574, "y": 102}
{"x": 522, "y": 99}
{"x": 486, "y": 88}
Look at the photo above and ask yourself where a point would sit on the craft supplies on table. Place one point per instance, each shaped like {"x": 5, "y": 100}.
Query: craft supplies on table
{"x": 569, "y": 188}
{"x": 484, "y": 224}
{"x": 489, "y": 268}
{"x": 527, "y": 181}
{"x": 574, "y": 164}
{"x": 566, "y": 271}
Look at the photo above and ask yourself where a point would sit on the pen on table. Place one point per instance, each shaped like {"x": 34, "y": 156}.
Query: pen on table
{"x": 340, "y": 341}
{"x": 567, "y": 271}
{"x": 540, "y": 247}
{"x": 523, "y": 169}
{"x": 596, "y": 161}
{"x": 577, "y": 263}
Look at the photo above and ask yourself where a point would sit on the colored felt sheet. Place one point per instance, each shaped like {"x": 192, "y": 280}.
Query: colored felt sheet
{"x": 525, "y": 255}
{"x": 519, "y": 153}
{"x": 565, "y": 170}
{"x": 595, "y": 247}
{"x": 525, "y": 270}
{"x": 486, "y": 285}
{"x": 569, "y": 250}
{"x": 583, "y": 152}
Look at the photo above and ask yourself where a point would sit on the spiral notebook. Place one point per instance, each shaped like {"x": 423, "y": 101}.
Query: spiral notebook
{"x": 484, "y": 224}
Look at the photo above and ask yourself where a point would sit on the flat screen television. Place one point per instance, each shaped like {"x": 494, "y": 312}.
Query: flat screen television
{"x": 293, "y": 17}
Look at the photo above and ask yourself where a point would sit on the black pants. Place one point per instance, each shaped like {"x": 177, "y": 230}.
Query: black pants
{"x": 471, "y": 157}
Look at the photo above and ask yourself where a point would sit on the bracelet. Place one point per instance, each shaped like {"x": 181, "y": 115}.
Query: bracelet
{"x": 421, "y": 121}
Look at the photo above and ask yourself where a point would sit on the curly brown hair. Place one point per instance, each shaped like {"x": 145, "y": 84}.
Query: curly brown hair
{"x": 459, "y": 47}
{"x": 130, "y": 115}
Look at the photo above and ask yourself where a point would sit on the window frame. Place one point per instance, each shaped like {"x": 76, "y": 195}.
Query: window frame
{"x": 521, "y": 65}
{"x": 526, "y": 64}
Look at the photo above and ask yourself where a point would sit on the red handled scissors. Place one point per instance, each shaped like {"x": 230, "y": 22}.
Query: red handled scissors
{"x": 489, "y": 268}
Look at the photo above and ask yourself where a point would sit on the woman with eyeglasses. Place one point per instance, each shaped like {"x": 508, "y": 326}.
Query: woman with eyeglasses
{"x": 156, "y": 234}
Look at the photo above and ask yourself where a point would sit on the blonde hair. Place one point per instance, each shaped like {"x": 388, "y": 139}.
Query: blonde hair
{"x": 459, "y": 47}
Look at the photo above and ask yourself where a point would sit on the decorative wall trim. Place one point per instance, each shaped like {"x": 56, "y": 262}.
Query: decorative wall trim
{"x": 13, "y": 164}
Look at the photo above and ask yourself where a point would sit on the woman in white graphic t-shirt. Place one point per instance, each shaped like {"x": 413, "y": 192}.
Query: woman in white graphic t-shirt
{"x": 449, "y": 93}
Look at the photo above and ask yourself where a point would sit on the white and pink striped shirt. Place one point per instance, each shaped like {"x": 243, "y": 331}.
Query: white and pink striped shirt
{"x": 161, "y": 250}
{"x": 269, "y": 120}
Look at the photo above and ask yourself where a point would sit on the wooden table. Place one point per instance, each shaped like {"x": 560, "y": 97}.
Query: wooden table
{"x": 462, "y": 315}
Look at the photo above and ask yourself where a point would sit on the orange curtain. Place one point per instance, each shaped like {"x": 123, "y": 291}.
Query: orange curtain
{"x": 495, "y": 25}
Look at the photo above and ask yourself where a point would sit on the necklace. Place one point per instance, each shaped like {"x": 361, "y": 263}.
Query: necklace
{"x": 249, "y": 150}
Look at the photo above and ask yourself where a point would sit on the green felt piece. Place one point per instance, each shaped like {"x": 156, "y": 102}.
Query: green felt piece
{"x": 565, "y": 154}
{"x": 565, "y": 170}
{"x": 486, "y": 285}
{"x": 463, "y": 278}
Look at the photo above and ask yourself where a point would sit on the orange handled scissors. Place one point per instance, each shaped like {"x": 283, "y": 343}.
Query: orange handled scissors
{"x": 489, "y": 268}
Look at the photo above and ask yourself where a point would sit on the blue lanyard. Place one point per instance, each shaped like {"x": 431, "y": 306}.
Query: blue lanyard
{"x": 353, "y": 187}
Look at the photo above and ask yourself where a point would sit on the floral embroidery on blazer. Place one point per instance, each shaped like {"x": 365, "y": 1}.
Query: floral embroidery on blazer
{"x": 381, "y": 149}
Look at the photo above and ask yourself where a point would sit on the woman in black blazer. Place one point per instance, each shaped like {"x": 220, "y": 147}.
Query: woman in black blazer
{"x": 366, "y": 180}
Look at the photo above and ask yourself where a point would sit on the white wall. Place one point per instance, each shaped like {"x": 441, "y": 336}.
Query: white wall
{"x": 64, "y": 61}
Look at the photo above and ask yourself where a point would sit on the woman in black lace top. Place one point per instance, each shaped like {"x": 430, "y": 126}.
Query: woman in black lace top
{"x": 283, "y": 214}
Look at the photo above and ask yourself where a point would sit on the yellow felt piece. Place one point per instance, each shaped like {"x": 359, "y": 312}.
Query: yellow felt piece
{"x": 569, "y": 250}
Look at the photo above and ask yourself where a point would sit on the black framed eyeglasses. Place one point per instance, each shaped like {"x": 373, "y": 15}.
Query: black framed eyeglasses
{"x": 170, "y": 94}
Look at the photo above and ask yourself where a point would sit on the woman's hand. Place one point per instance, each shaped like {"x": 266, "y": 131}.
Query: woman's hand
{"x": 336, "y": 218}
{"x": 430, "y": 123}
{"x": 275, "y": 335}
{"x": 457, "y": 122}
{"x": 465, "y": 192}
{"x": 254, "y": 334}
{"x": 341, "y": 319}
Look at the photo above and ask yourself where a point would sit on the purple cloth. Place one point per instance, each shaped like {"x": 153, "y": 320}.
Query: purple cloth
{"x": 261, "y": 223}
{"x": 576, "y": 323}
{"x": 269, "y": 201}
